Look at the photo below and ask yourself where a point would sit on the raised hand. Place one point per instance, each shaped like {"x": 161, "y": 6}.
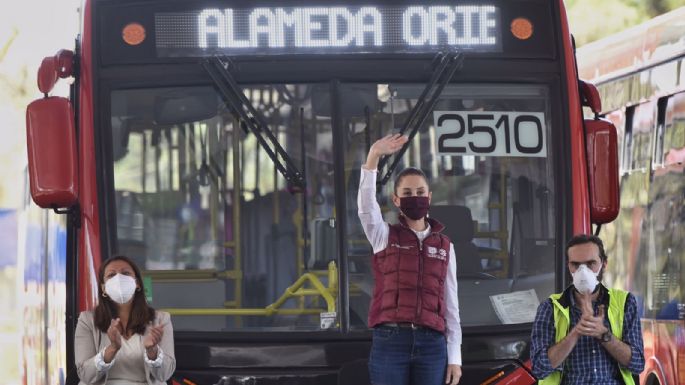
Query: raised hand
{"x": 386, "y": 145}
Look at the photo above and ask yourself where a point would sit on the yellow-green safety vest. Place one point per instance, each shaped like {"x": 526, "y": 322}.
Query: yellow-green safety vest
{"x": 562, "y": 320}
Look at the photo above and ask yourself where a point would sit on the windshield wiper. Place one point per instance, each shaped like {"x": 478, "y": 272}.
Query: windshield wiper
{"x": 251, "y": 120}
{"x": 447, "y": 65}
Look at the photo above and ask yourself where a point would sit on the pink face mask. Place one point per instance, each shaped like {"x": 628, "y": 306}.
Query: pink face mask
{"x": 414, "y": 207}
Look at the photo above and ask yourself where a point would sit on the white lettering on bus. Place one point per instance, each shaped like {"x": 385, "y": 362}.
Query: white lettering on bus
{"x": 308, "y": 25}
{"x": 433, "y": 22}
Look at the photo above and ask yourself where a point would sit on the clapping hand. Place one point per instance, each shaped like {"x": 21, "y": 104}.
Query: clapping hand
{"x": 589, "y": 324}
{"x": 153, "y": 335}
{"x": 592, "y": 326}
{"x": 114, "y": 333}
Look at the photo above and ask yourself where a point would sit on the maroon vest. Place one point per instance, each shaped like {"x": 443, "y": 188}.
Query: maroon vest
{"x": 410, "y": 278}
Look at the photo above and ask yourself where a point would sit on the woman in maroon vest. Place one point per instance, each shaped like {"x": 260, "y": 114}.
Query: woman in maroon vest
{"x": 414, "y": 311}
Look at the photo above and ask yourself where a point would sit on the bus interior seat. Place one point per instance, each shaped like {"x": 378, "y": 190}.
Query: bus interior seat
{"x": 459, "y": 227}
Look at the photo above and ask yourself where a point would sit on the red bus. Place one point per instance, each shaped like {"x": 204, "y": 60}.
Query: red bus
{"x": 640, "y": 74}
{"x": 219, "y": 144}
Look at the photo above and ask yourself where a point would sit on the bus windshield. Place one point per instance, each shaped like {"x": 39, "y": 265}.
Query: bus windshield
{"x": 227, "y": 243}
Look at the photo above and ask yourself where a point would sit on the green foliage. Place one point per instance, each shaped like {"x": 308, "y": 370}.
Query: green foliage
{"x": 594, "y": 19}
{"x": 6, "y": 45}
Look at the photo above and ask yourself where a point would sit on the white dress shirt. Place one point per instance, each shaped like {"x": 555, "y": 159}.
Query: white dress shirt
{"x": 376, "y": 230}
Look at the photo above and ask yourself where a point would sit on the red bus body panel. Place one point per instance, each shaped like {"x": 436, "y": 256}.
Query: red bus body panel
{"x": 520, "y": 376}
{"x": 89, "y": 254}
{"x": 579, "y": 188}
{"x": 664, "y": 339}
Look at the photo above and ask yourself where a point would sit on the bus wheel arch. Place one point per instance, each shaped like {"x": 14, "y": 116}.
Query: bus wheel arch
{"x": 652, "y": 379}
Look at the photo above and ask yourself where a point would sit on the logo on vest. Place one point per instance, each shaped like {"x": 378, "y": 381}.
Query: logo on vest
{"x": 440, "y": 254}
{"x": 400, "y": 246}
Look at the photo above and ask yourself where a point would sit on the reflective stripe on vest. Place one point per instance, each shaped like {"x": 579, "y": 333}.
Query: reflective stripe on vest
{"x": 562, "y": 320}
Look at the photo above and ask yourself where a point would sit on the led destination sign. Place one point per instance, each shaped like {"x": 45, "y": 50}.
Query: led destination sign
{"x": 327, "y": 29}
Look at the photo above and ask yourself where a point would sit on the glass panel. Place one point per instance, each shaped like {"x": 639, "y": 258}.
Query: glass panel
{"x": 620, "y": 235}
{"x": 641, "y": 131}
{"x": 201, "y": 207}
{"x": 511, "y": 198}
{"x": 674, "y": 132}
{"x": 656, "y": 270}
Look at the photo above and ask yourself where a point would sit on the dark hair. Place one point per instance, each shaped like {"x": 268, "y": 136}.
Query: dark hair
{"x": 581, "y": 239}
{"x": 409, "y": 171}
{"x": 106, "y": 309}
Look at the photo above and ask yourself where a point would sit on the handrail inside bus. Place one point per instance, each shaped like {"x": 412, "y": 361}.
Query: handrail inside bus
{"x": 296, "y": 290}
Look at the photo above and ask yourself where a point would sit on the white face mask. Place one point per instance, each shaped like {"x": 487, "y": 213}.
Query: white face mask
{"x": 120, "y": 288}
{"x": 585, "y": 280}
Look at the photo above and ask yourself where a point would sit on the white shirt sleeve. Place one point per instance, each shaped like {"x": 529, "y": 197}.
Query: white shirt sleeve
{"x": 100, "y": 363}
{"x": 452, "y": 320}
{"x": 375, "y": 228}
{"x": 157, "y": 363}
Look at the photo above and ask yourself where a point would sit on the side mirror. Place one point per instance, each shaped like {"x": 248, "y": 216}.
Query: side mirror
{"x": 601, "y": 143}
{"x": 51, "y": 142}
{"x": 602, "y": 163}
{"x": 51, "y": 139}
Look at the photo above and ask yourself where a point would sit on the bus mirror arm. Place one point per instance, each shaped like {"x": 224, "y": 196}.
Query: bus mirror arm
{"x": 590, "y": 97}
{"x": 446, "y": 65}
{"x": 72, "y": 212}
{"x": 251, "y": 119}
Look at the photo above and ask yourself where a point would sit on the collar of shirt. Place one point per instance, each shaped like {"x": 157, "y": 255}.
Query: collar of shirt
{"x": 422, "y": 234}
{"x": 568, "y": 298}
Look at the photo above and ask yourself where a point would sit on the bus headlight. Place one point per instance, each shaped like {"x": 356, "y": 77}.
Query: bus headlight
{"x": 510, "y": 350}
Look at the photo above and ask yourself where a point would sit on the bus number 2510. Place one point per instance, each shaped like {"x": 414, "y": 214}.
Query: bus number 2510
{"x": 491, "y": 133}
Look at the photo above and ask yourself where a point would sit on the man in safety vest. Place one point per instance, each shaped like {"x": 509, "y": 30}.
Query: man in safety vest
{"x": 588, "y": 334}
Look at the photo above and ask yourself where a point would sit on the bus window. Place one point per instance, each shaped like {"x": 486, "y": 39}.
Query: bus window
{"x": 201, "y": 207}
{"x": 658, "y": 151}
{"x": 662, "y": 243}
{"x": 674, "y": 130}
{"x": 639, "y": 145}
{"x": 499, "y": 192}
{"x": 634, "y": 191}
